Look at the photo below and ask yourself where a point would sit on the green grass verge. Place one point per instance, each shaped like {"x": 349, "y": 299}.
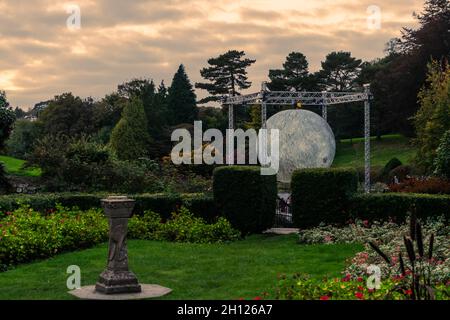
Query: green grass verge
{"x": 350, "y": 153}
{"x": 242, "y": 269}
{"x": 15, "y": 167}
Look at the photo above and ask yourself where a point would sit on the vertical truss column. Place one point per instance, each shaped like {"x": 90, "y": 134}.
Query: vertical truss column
{"x": 367, "y": 139}
{"x": 324, "y": 106}
{"x": 230, "y": 144}
{"x": 263, "y": 106}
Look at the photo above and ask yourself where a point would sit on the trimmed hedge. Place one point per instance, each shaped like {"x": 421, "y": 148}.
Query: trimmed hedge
{"x": 245, "y": 197}
{"x": 200, "y": 205}
{"x": 321, "y": 195}
{"x": 382, "y": 206}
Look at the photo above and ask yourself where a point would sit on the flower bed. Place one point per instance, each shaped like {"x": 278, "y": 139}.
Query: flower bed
{"x": 389, "y": 237}
{"x": 301, "y": 287}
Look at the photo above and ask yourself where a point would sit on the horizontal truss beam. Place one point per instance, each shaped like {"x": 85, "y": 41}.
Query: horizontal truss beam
{"x": 290, "y": 98}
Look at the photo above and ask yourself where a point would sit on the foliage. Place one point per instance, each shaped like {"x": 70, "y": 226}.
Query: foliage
{"x": 245, "y": 197}
{"x": 294, "y": 74}
{"x": 391, "y": 165}
{"x": 383, "y": 206}
{"x": 200, "y": 205}
{"x": 227, "y": 75}
{"x": 7, "y": 118}
{"x": 130, "y": 138}
{"x": 23, "y": 137}
{"x": 433, "y": 118}
{"x": 181, "y": 100}
{"x": 182, "y": 226}
{"x": 72, "y": 164}
{"x": 26, "y": 234}
{"x": 442, "y": 160}
{"x": 302, "y": 287}
{"x": 339, "y": 71}
{"x": 321, "y": 195}
{"x": 69, "y": 115}
{"x": 431, "y": 185}
{"x": 405, "y": 75}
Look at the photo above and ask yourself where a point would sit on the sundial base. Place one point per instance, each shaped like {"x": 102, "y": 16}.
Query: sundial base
{"x": 147, "y": 291}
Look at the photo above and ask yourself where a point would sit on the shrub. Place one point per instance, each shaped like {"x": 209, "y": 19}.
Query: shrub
{"x": 129, "y": 138}
{"x": 442, "y": 160}
{"x": 391, "y": 165}
{"x": 383, "y": 206}
{"x": 200, "y": 205}
{"x": 23, "y": 137}
{"x": 245, "y": 197}
{"x": 321, "y": 195}
{"x": 429, "y": 185}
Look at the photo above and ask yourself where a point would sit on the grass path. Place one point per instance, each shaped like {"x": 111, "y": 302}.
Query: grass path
{"x": 194, "y": 271}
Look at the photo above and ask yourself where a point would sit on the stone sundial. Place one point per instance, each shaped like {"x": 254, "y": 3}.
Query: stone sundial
{"x": 306, "y": 141}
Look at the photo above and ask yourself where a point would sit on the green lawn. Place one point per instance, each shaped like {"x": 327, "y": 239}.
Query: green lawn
{"x": 15, "y": 167}
{"x": 194, "y": 271}
{"x": 350, "y": 153}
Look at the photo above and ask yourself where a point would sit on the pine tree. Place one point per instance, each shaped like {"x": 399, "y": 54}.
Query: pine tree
{"x": 294, "y": 75}
{"x": 181, "y": 100}
{"x": 130, "y": 138}
{"x": 227, "y": 75}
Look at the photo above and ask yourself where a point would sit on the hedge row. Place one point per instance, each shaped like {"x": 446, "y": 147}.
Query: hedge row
{"x": 321, "y": 195}
{"x": 245, "y": 197}
{"x": 200, "y": 205}
{"x": 381, "y": 206}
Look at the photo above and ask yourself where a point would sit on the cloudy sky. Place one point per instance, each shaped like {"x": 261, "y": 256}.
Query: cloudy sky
{"x": 118, "y": 40}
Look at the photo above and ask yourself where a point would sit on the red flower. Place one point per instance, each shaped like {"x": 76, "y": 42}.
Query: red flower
{"x": 360, "y": 279}
{"x": 360, "y": 288}
{"x": 359, "y": 295}
{"x": 366, "y": 223}
{"x": 257, "y": 298}
{"x": 371, "y": 290}
{"x": 346, "y": 278}
{"x": 324, "y": 298}
{"x": 408, "y": 292}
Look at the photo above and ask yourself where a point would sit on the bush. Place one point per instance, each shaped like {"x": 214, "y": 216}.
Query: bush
{"x": 383, "y": 206}
{"x": 23, "y": 137}
{"x": 200, "y": 204}
{"x": 391, "y": 165}
{"x": 245, "y": 197}
{"x": 401, "y": 172}
{"x": 442, "y": 160}
{"x": 321, "y": 195}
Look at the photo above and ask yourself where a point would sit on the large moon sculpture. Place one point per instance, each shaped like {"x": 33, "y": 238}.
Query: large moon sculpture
{"x": 306, "y": 141}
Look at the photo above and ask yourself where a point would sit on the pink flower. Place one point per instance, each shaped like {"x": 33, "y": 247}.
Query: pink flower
{"x": 366, "y": 223}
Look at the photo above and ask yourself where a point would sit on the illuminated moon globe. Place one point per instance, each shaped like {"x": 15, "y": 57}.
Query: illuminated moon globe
{"x": 306, "y": 141}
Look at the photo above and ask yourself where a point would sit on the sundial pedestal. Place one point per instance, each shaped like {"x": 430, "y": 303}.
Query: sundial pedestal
{"x": 117, "y": 278}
